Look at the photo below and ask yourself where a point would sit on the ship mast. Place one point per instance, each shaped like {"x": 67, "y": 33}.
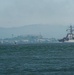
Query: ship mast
{"x": 70, "y": 29}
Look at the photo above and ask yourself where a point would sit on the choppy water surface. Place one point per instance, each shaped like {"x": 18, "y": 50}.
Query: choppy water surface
{"x": 37, "y": 59}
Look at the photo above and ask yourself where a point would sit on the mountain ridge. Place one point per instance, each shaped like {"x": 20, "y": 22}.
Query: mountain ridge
{"x": 49, "y": 31}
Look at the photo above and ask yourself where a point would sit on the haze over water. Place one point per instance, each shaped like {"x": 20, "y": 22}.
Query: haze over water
{"x": 36, "y": 59}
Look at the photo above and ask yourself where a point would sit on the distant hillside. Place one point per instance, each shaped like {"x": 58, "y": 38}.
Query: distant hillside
{"x": 49, "y": 31}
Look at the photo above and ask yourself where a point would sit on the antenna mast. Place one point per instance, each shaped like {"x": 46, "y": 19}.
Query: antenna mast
{"x": 71, "y": 29}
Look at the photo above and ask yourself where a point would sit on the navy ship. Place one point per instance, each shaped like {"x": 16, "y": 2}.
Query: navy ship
{"x": 69, "y": 37}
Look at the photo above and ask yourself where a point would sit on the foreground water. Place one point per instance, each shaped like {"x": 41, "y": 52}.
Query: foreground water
{"x": 37, "y": 59}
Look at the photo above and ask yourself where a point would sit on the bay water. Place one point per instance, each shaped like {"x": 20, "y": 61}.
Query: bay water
{"x": 37, "y": 59}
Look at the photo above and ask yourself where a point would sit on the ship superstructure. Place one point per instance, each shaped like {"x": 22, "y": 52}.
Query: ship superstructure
{"x": 69, "y": 37}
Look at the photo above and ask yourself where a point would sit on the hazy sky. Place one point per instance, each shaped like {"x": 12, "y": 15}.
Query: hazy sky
{"x": 25, "y": 12}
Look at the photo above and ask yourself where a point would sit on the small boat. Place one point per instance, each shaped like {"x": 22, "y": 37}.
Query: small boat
{"x": 69, "y": 37}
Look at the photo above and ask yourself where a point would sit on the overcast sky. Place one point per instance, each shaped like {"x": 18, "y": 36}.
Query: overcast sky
{"x": 26, "y": 12}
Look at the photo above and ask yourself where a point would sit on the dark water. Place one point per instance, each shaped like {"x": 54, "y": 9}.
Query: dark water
{"x": 37, "y": 59}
